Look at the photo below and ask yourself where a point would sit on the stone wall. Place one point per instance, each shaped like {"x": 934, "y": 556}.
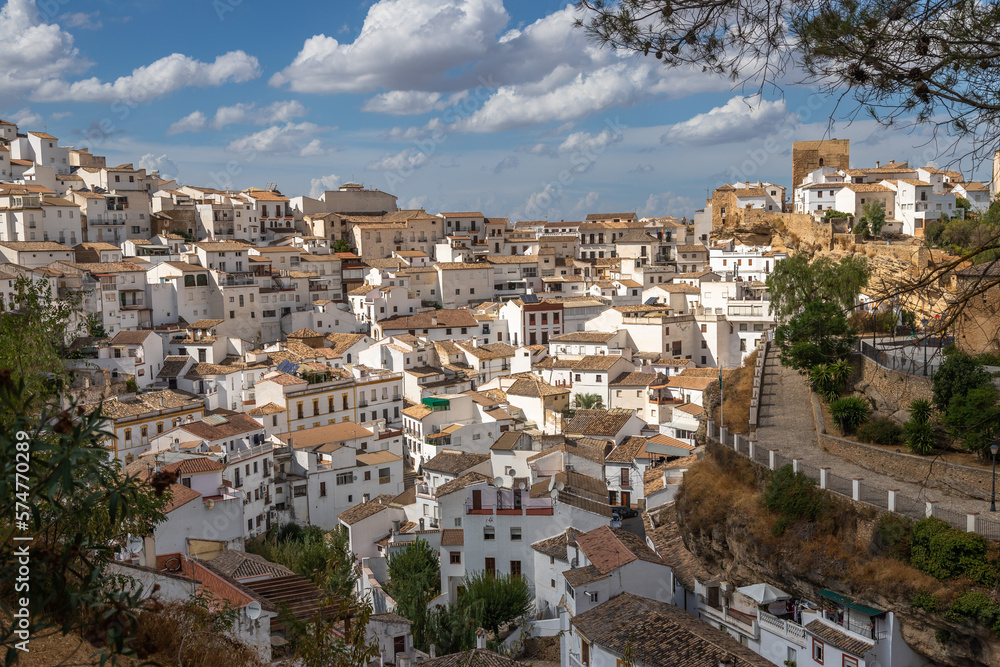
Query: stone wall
{"x": 892, "y": 391}
{"x": 925, "y": 470}
{"x": 809, "y": 156}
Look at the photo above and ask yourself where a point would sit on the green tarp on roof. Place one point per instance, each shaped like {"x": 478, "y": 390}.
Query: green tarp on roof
{"x": 433, "y": 402}
{"x": 848, "y": 602}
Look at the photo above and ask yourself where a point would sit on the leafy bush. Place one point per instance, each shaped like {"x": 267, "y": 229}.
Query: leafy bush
{"x": 830, "y": 380}
{"x": 881, "y": 432}
{"x": 978, "y": 607}
{"x": 958, "y": 375}
{"x": 972, "y": 418}
{"x": 926, "y": 601}
{"x": 820, "y": 334}
{"x": 945, "y": 552}
{"x": 921, "y": 409}
{"x": 850, "y": 412}
{"x": 793, "y": 496}
{"x": 892, "y": 537}
{"x": 918, "y": 430}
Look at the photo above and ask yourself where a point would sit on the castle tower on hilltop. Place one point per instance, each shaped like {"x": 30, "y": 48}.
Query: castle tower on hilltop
{"x": 809, "y": 156}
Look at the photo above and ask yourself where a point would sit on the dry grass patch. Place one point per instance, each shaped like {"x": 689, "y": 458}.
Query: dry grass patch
{"x": 738, "y": 389}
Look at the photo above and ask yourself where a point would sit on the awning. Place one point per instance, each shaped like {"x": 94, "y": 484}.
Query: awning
{"x": 436, "y": 402}
{"x": 764, "y": 593}
{"x": 849, "y": 603}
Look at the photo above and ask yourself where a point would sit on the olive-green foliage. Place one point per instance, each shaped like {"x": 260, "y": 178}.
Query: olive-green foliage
{"x": 978, "y": 607}
{"x": 489, "y": 601}
{"x": 310, "y": 552}
{"x": 818, "y": 334}
{"x": 892, "y": 537}
{"x": 792, "y": 495}
{"x": 926, "y": 601}
{"x": 973, "y": 418}
{"x": 945, "y": 552}
{"x": 830, "y": 380}
{"x": 882, "y": 431}
{"x": 850, "y": 412}
{"x": 414, "y": 580}
{"x": 78, "y": 506}
{"x": 957, "y": 375}
{"x": 796, "y": 282}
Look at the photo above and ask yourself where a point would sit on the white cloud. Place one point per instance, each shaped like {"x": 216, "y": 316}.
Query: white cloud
{"x": 739, "y": 119}
{"x": 668, "y": 203}
{"x": 26, "y": 119}
{"x": 416, "y": 202}
{"x": 319, "y": 185}
{"x": 32, "y": 51}
{"x": 168, "y": 168}
{"x": 289, "y": 139}
{"x": 586, "y": 202}
{"x": 642, "y": 169}
{"x": 159, "y": 78}
{"x": 583, "y": 142}
{"x": 414, "y": 133}
{"x": 403, "y": 45}
{"x": 402, "y": 102}
{"x": 193, "y": 122}
{"x": 83, "y": 21}
{"x": 408, "y": 158}
{"x": 509, "y": 162}
{"x": 239, "y": 114}
{"x": 59, "y": 115}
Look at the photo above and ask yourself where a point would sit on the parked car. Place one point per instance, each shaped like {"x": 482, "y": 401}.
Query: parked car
{"x": 625, "y": 512}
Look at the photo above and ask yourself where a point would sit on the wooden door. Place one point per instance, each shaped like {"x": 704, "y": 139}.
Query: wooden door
{"x": 491, "y": 565}
{"x": 477, "y": 499}
{"x": 626, "y": 499}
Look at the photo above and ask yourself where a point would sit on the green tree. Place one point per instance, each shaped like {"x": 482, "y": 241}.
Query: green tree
{"x": 829, "y": 380}
{"x": 340, "y": 245}
{"x": 322, "y": 642}
{"x": 496, "y": 599}
{"x": 59, "y": 488}
{"x": 872, "y": 219}
{"x": 933, "y": 63}
{"x": 792, "y": 495}
{"x": 589, "y": 402}
{"x": 308, "y": 552}
{"x": 796, "y": 282}
{"x": 973, "y": 418}
{"x": 958, "y": 374}
{"x": 819, "y": 334}
{"x": 850, "y": 412}
{"x": 34, "y": 330}
{"x": 415, "y": 580}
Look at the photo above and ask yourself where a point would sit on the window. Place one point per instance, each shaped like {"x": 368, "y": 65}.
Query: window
{"x": 368, "y": 475}
{"x": 704, "y": 328}
{"x": 455, "y": 557}
{"x": 850, "y": 661}
{"x": 598, "y": 378}
{"x": 515, "y": 568}
{"x": 592, "y": 597}
{"x": 491, "y": 565}
{"x": 322, "y": 489}
{"x": 818, "y": 651}
{"x": 383, "y": 476}
{"x": 345, "y": 478}
{"x": 128, "y": 435}
{"x": 489, "y": 533}
{"x": 515, "y": 534}
{"x": 584, "y": 652}
{"x": 704, "y": 344}
{"x": 458, "y": 522}
{"x": 299, "y": 491}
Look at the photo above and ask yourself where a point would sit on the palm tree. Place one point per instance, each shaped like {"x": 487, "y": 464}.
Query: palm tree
{"x": 589, "y": 402}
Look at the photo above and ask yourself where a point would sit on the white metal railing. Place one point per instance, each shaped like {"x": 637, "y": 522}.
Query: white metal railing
{"x": 787, "y": 629}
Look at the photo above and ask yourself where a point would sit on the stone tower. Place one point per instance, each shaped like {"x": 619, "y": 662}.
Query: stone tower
{"x": 811, "y": 155}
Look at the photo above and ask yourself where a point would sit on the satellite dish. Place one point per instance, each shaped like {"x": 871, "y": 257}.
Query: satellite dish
{"x": 252, "y": 610}
{"x": 560, "y": 486}
{"x": 522, "y": 486}
{"x": 554, "y": 494}
{"x": 552, "y": 483}
{"x": 498, "y": 481}
{"x": 209, "y": 504}
{"x": 134, "y": 544}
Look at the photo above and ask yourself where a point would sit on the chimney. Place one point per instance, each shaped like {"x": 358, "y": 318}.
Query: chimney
{"x": 395, "y": 526}
{"x": 433, "y": 651}
{"x": 147, "y": 557}
{"x": 877, "y": 164}
{"x": 475, "y": 341}
{"x": 481, "y": 639}
{"x": 434, "y": 320}
{"x": 402, "y": 660}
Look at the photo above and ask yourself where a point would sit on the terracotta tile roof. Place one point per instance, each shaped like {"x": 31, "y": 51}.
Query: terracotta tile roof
{"x": 612, "y": 216}
{"x": 116, "y": 408}
{"x": 486, "y": 352}
{"x": 652, "y": 481}
{"x": 365, "y": 510}
{"x": 535, "y": 388}
{"x": 131, "y": 337}
{"x": 417, "y": 411}
{"x": 452, "y": 537}
{"x": 631, "y": 448}
{"x": 838, "y": 638}
{"x": 304, "y": 332}
{"x": 580, "y": 576}
{"x": 194, "y": 465}
{"x": 691, "y": 409}
{"x": 322, "y": 435}
{"x": 237, "y": 423}
{"x": 180, "y": 495}
{"x": 635, "y": 236}
{"x": 661, "y": 634}
{"x": 597, "y": 362}
{"x": 660, "y": 439}
{"x": 267, "y": 409}
{"x": 691, "y": 247}
{"x": 866, "y": 187}
{"x": 474, "y": 658}
{"x": 377, "y": 458}
{"x": 264, "y": 195}
{"x": 973, "y": 187}
{"x": 556, "y": 547}
{"x": 389, "y": 617}
{"x": 602, "y": 423}
{"x": 608, "y": 548}
{"x": 465, "y": 480}
{"x": 244, "y": 565}
{"x": 662, "y": 530}
{"x": 37, "y": 246}
{"x": 204, "y": 324}
{"x": 689, "y": 382}
{"x": 441, "y": 319}
{"x": 453, "y": 462}
{"x": 637, "y": 379}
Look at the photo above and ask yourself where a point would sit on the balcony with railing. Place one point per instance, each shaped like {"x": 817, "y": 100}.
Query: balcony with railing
{"x": 779, "y": 626}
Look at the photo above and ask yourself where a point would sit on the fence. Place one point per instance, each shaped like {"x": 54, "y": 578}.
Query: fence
{"x": 890, "y": 360}
{"x": 856, "y": 489}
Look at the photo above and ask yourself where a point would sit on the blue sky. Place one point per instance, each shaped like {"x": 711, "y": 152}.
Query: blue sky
{"x": 492, "y": 105}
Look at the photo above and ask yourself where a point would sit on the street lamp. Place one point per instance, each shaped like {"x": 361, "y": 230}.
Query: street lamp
{"x": 874, "y": 324}
{"x": 993, "y": 493}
